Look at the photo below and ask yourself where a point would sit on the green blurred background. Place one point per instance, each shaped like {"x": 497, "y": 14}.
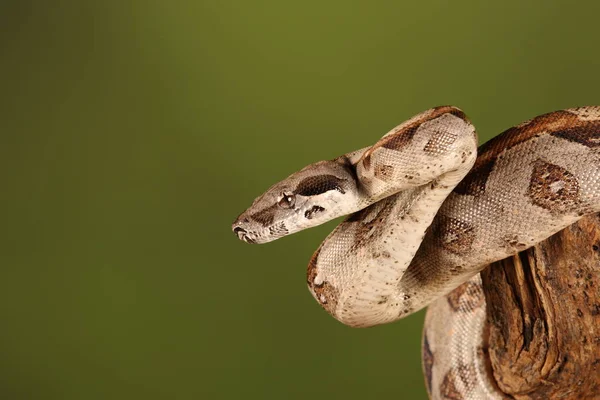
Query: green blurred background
{"x": 134, "y": 132}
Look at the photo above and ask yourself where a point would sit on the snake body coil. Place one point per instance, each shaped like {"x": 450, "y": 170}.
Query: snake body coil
{"x": 426, "y": 215}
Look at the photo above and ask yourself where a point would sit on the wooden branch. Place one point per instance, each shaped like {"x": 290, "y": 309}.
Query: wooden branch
{"x": 544, "y": 317}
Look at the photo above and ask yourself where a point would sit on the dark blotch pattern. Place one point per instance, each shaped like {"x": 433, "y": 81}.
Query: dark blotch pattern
{"x": 309, "y": 214}
{"x": 555, "y": 122}
{"x": 466, "y": 297}
{"x": 404, "y": 136}
{"x": 587, "y": 134}
{"x": 318, "y": 184}
{"x": 449, "y": 388}
{"x": 441, "y": 141}
{"x": 376, "y": 215}
{"x": 311, "y": 271}
{"x": 454, "y": 235}
{"x": 325, "y": 293}
{"x": 553, "y": 187}
{"x": 266, "y": 216}
{"x": 400, "y": 139}
{"x": 367, "y": 160}
{"x": 550, "y": 122}
{"x": 474, "y": 183}
{"x": 384, "y": 172}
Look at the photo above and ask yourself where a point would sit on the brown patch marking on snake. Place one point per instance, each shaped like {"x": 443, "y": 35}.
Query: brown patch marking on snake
{"x": 514, "y": 243}
{"x": 454, "y": 235}
{"x": 348, "y": 166}
{"x": 383, "y": 172}
{"x": 314, "y": 185}
{"x": 551, "y": 123}
{"x": 586, "y": 133}
{"x": 370, "y": 221}
{"x": 465, "y": 298}
{"x": 265, "y": 217}
{"x": 404, "y": 135}
{"x": 457, "y": 112}
{"x": 440, "y": 143}
{"x": 449, "y": 388}
{"x": 309, "y": 214}
{"x": 366, "y": 160}
{"x": 427, "y": 360}
{"x": 325, "y": 293}
{"x": 553, "y": 187}
{"x": 400, "y": 139}
{"x": 311, "y": 270}
{"x": 378, "y": 254}
{"x": 474, "y": 183}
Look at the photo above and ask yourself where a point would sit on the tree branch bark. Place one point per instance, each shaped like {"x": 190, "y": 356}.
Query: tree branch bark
{"x": 544, "y": 317}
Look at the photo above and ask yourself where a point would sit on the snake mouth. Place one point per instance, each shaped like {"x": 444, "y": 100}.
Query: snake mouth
{"x": 249, "y": 240}
{"x": 242, "y": 234}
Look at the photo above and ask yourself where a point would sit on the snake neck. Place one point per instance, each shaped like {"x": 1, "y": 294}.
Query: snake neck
{"x": 356, "y": 273}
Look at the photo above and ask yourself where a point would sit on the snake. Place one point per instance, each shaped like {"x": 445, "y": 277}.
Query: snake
{"x": 426, "y": 211}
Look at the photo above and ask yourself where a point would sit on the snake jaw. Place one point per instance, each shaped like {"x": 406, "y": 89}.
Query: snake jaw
{"x": 242, "y": 234}
{"x": 247, "y": 239}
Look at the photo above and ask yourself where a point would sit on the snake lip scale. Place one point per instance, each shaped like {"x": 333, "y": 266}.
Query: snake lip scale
{"x": 426, "y": 211}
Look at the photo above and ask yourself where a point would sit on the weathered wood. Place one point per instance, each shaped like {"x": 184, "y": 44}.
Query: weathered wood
{"x": 544, "y": 317}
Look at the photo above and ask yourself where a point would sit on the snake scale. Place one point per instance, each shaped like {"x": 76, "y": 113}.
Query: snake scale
{"x": 427, "y": 211}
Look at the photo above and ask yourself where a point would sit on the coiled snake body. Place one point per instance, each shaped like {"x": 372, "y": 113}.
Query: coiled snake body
{"x": 426, "y": 215}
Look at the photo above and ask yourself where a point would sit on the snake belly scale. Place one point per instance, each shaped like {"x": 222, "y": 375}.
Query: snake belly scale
{"x": 426, "y": 212}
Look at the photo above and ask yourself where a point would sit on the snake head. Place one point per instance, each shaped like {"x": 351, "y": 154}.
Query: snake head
{"x": 316, "y": 194}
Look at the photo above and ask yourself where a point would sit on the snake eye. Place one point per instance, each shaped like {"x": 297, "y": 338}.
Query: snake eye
{"x": 287, "y": 201}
